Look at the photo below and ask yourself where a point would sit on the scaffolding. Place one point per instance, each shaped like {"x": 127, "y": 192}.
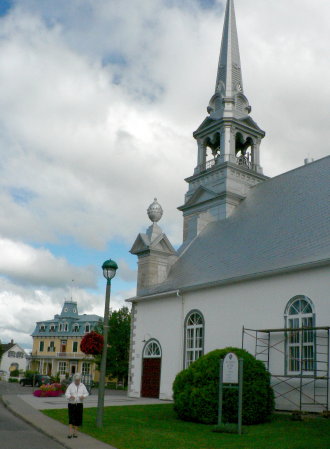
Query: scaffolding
{"x": 303, "y": 390}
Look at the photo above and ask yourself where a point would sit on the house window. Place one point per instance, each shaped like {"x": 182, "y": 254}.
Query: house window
{"x": 41, "y": 346}
{"x": 75, "y": 328}
{"x": 300, "y": 343}
{"x": 194, "y": 337}
{"x": 11, "y": 353}
{"x": 52, "y": 328}
{"x": 87, "y": 327}
{"x": 75, "y": 346}
{"x": 65, "y": 327}
{"x": 85, "y": 368}
{"x": 62, "y": 367}
{"x": 60, "y": 327}
{"x": 51, "y": 347}
{"x": 19, "y": 355}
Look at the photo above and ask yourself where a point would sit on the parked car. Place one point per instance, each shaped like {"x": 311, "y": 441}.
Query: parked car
{"x": 39, "y": 379}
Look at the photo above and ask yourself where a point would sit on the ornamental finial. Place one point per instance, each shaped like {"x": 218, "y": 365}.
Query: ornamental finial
{"x": 155, "y": 211}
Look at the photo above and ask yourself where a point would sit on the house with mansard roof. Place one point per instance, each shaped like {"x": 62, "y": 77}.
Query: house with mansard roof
{"x": 253, "y": 269}
{"x": 56, "y": 343}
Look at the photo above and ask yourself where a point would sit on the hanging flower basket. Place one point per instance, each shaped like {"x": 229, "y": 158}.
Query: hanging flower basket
{"x": 92, "y": 343}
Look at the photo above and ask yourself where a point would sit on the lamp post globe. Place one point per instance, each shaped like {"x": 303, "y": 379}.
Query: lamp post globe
{"x": 109, "y": 268}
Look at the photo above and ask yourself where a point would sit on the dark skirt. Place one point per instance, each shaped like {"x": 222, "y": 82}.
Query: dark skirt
{"x": 75, "y": 414}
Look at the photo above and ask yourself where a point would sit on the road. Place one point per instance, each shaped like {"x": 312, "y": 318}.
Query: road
{"x": 16, "y": 434}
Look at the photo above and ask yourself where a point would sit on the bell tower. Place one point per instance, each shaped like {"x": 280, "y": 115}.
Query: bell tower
{"x": 228, "y": 142}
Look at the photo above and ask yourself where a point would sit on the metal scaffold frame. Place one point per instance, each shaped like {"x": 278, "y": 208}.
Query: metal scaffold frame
{"x": 300, "y": 391}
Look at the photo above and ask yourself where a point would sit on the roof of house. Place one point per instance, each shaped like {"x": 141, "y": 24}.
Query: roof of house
{"x": 70, "y": 316}
{"x": 284, "y": 222}
{"x": 7, "y": 346}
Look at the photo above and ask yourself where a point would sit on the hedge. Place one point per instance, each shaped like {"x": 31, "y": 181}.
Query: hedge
{"x": 196, "y": 391}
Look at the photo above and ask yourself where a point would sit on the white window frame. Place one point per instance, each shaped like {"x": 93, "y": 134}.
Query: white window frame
{"x": 62, "y": 367}
{"x": 41, "y": 343}
{"x": 300, "y": 345}
{"x": 75, "y": 327}
{"x": 194, "y": 332}
{"x": 89, "y": 328}
{"x": 152, "y": 350}
{"x": 73, "y": 346}
{"x": 85, "y": 368}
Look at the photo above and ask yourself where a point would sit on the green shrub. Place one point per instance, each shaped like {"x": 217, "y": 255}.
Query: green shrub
{"x": 196, "y": 391}
{"x": 14, "y": 373}
{"x": 12, "y": 379}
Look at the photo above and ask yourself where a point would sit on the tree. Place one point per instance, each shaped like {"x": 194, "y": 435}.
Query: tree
{"x": 118, "y": 344}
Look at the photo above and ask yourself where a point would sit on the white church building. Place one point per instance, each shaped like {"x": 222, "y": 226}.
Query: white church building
{"x": 253, "y": 270}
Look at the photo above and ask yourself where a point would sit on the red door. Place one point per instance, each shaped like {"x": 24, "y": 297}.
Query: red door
{"x": 151, "y": 378}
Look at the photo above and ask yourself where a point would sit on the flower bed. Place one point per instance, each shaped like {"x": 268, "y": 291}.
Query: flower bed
{"x": 49, "y": 391}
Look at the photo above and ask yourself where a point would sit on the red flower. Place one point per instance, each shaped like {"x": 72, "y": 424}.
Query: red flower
{"x": 92, "y": 343}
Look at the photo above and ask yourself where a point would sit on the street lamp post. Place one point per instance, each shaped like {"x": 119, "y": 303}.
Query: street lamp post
{"x": 109, "y": 271}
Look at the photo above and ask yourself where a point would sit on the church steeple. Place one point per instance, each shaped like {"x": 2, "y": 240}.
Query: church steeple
{"x": 229, "y": 76}
{"x": 228, "y": 162}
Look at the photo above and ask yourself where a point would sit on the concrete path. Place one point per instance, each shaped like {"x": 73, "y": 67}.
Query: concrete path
{"x": 91, "y": 401}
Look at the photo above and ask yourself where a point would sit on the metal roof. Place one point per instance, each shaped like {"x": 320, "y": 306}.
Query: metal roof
{"x": 284, "y": 222}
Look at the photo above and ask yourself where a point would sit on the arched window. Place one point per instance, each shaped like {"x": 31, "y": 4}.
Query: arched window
{"x": 87, "y": 327}
{"x": 300, "y": 343}
{"x": 194, "y": 337}
{"x": 152, "y": 350}
{"x": 75, "y": 327}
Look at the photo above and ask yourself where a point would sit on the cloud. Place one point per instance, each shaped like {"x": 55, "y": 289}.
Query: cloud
{"x": 22, "y": 306}
{"x": 101, "y": 121}
{"x": 97, "y": 108}
{"x": 125, "y": 272}
{"x": 38, "y": 267}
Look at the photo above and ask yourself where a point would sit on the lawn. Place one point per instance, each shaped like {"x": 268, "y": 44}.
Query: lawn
{"x": 156, "y": 427}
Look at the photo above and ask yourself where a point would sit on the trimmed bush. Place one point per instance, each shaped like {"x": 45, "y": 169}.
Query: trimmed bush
{"x": 196, "y": 391}
{"x": 13, "y": 380}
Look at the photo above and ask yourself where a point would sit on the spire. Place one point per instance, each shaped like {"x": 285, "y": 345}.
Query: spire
{"x": 229, "y": 67}
{"x": 229, "y": 83}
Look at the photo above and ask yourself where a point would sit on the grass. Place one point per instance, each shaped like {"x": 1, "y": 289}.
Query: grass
{"x": 156, "y": 427}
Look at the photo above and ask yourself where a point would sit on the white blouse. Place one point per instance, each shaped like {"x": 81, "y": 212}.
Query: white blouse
{"x": 76, "y": 391}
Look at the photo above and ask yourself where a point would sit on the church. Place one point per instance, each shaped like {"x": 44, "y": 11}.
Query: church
{"x": 254, "y": 267}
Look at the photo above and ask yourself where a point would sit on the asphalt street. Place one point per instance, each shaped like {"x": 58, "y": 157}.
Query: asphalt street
{"x": 14, "y": 432}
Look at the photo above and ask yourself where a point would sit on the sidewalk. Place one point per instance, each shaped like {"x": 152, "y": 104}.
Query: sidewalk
{"x": 90, "y": 401}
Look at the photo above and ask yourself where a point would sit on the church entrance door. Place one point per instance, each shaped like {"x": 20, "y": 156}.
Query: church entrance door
{"x": 151, "y": 370}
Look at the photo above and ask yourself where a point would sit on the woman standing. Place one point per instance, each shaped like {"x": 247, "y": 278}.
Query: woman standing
{"x": 75, "y": 393}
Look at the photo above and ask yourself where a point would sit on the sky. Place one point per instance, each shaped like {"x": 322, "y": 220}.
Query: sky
{"x": 98, "y": 102}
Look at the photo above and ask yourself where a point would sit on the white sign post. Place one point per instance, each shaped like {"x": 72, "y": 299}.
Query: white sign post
{"x": 231, "y": 374}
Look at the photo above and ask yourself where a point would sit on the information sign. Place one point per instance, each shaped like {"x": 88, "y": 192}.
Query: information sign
{"x": 230, "y": 369}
